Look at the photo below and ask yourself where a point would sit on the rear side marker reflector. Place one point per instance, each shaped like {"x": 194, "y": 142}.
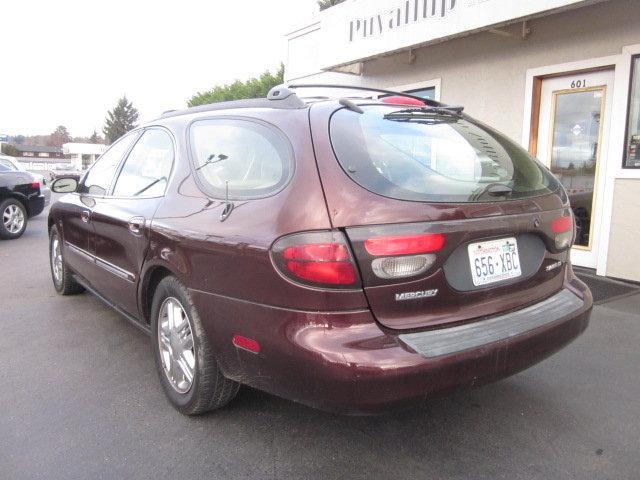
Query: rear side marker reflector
{"x": 405, "y": 244}
{"x": 246, "y": 343}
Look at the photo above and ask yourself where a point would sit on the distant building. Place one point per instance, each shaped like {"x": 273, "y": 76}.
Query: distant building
{"x": 82, "y": 155}
{"x": 38, "y": 151}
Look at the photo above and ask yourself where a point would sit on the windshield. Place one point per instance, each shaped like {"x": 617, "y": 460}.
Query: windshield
{"x": 11, "y": 165}
{"x": 433, "y": 155}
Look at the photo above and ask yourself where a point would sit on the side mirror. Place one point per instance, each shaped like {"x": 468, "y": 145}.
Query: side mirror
{"x": 64, "y": 185}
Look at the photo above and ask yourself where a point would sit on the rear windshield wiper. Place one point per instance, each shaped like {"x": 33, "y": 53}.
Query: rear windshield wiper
{"x": 411, "y": 112}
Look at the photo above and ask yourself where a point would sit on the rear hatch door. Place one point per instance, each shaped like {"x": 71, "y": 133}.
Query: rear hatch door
{"x": 448, "y": 219}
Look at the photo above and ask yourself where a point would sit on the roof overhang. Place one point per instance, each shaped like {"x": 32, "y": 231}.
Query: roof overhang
{"x": 360, "y": 30}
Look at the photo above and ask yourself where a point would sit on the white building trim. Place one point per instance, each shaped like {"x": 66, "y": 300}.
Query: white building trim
{"x": 617, "y": 129}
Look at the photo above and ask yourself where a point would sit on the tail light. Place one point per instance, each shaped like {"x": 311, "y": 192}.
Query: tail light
{"x": 562, "y": 228}
{"x": 316, "y": 258}
{"x": 399, "y": 254}
{"x": 35, "y": 185}
{"x": 405, "y": 244}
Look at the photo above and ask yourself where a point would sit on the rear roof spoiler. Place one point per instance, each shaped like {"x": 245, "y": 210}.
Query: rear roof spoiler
{"x": 284, "y": 91}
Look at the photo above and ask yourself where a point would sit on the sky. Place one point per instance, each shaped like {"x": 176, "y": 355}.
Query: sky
{"x": 67, "y": 62}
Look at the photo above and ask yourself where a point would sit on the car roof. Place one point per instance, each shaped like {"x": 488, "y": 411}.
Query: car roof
{"x": 282, "y": 97}
{"x": 291, "y": 102}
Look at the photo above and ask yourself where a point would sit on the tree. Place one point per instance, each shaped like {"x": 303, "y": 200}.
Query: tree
{"x": 9, "y": 149}
{"x": 252, "y": 88}
{"x": 59, "y": 137}
{"x": 95, "y": 138}
{"x": 324, "y": 4}
{"x": 120, "y": 120}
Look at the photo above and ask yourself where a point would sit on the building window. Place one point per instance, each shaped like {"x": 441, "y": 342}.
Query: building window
{"x": 632, "y": 152}
{"x": 43, "y": 154}
{"x": 427, "y": 93}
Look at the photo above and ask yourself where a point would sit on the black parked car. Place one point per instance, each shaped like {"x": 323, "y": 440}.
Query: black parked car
{"x": 20, "y": 199}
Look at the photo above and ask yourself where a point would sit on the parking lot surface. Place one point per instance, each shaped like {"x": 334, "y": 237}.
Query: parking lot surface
{"x": 80, "y": 400}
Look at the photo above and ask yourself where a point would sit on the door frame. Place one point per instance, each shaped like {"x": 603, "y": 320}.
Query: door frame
{"x": 615, "y": 147}
{"x": 602, "y": 133}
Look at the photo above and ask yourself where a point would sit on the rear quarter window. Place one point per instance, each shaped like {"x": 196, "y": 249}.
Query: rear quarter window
{"x": 433, "y": 157}
{"x": 253, "y": 158}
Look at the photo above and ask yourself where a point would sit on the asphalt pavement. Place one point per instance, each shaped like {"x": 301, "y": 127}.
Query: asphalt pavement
{"x": 79, "y": 399}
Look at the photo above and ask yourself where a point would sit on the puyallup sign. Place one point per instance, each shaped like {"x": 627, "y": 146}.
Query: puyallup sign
{"x": 410, "y": 11}
{"x": 358, "y": 30}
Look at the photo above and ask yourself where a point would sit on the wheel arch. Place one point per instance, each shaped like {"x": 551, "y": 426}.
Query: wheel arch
{"x": 151, "y": 277}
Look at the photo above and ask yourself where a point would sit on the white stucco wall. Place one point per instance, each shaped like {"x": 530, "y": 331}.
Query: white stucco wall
{"x": 486, "y": 72}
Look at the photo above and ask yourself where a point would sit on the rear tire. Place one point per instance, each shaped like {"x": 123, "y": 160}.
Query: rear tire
{"x": 184, "y": 359}
{"x": 62, "y": 278}
{"x": 13, "y": 219}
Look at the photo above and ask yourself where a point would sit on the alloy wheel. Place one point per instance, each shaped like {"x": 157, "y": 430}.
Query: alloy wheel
{"x": 13, "y": 218}
{"x": 56, "y": 259}
{"x": 175, "y": 340}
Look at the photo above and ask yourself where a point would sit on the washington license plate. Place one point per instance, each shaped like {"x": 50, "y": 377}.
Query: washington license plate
{"x": 494, "y": 261}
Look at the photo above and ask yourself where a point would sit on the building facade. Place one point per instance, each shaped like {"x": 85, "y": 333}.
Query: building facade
{"x": 39, "y": 151}
{"x": 562, "y": 77}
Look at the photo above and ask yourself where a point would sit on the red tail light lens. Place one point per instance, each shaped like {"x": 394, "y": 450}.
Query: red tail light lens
{"x": 316, "y": 258}
{"x": 320, "y": 252}
{"x": 405, "y": 244}
{"x": 333, "y": 273}
{"x": 35, "y": 185}
{"x": 401, "y": 100}
{"x": 562, "y": 224}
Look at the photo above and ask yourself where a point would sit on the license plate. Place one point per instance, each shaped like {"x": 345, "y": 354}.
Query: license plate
{"x": 494, "y": 261}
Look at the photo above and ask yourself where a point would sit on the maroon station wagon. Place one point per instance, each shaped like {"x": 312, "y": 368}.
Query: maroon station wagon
{"x": 354, "y": 254}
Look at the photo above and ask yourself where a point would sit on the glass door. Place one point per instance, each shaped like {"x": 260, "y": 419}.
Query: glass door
{"x": 573, "y": 128}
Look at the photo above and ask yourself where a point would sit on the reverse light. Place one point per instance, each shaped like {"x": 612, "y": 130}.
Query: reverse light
{"x": 405, "y": 244}
{"x": 316, "y": 258}
{"x": 401, "y": 267}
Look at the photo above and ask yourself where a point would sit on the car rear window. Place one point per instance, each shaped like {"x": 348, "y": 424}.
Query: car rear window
{"x": 252, "y": 158}
{"x": 432, "y": 156}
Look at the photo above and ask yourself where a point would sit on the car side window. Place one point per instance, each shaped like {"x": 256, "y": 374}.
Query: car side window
{"x": 146, "y": 170}
{"x": 101, "y": 174}
{"x": 252, "y": 158}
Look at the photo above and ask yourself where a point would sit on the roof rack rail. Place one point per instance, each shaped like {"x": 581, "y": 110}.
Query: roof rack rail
{"x": 284, "y": 102}
{"x": 427, "y": 101}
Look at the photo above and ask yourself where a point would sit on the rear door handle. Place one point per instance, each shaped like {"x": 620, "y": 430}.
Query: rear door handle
{"x": 135, "y": 225}
{"x": 86, "y": 216}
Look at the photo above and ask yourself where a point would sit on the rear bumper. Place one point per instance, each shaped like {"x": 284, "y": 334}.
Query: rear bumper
{"x": 344, "y": 362}
{"x": 36, "y": 205}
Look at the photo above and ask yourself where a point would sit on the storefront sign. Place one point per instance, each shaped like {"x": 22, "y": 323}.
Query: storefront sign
{"x": 360, "y": 29}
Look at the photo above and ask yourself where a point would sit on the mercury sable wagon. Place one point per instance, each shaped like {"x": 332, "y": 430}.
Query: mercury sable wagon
{"x": 354, "y": 254}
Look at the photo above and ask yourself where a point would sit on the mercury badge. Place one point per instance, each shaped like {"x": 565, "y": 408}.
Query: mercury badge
{"x": 401, "y": 297}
